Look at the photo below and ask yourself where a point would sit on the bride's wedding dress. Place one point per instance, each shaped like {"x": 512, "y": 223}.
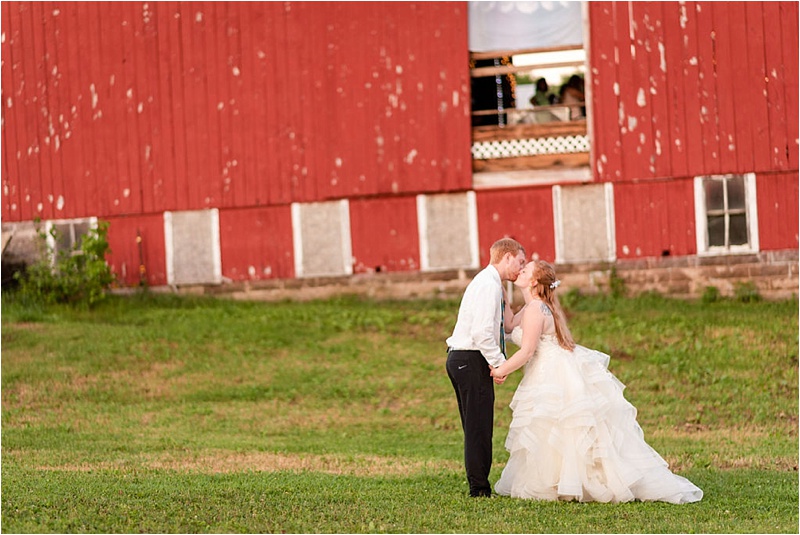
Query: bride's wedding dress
{"x": 574, "y": 436}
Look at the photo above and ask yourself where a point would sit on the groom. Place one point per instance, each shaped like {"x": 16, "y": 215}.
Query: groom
{"x": 478, "y": 338}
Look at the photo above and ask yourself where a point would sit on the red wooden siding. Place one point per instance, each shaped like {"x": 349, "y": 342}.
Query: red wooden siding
{"x": 608, "y": 165}
{"x": 124, "y": 110}
{"x": 384, "y": 234}
{"x": 125, "y": 257}
{"x": 256, "y": 243}
{"x": 789, "y": 36}
{"x": 777, "y": 211}
{"x": 655, "y": 218}
{"x": 114, "y": 108}
{"x": 693, "y": 88}
{"x": 523, "y": 214}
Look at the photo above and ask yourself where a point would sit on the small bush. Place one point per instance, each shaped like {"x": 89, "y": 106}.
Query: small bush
{"x": 711, "y": 295}
{"x": 616, "y": 284}
{"x": 746, "y": 292}
{"x": 79, "y": 275}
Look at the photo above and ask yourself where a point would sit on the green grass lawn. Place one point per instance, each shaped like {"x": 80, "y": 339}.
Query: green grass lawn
{"x": 185, "y": 414}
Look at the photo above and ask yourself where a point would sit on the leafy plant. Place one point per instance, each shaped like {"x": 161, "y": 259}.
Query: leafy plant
{"x": 78, "y": 275}
{"x": 616, "y": 284}
{"x": 746, "y": 292}
{"x": 711, "y": 294}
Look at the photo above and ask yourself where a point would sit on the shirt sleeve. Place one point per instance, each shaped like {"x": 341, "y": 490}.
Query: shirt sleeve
{"x": 486, "y": 326}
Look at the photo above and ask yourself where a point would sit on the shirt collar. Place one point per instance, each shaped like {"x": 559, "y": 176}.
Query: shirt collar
{"x": 495, "y": 273}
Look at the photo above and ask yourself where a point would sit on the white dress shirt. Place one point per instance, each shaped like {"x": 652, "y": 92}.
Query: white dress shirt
{"x": 479, "y": 317}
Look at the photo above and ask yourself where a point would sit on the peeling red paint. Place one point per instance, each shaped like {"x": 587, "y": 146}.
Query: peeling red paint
{"x": 229, "y": 105}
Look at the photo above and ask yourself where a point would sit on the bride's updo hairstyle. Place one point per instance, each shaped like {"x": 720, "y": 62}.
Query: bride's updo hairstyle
{"x": 545, "y": 274}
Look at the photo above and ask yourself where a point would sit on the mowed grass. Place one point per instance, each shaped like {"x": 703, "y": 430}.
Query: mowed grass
{"x": 185, "y": 414}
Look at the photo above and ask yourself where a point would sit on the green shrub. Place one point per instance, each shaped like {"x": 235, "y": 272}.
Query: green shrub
{"x": 746, "y": 292}
{"x": 616, "y": 284}
{"x": 711, "y": 295}
{"x": 79, "y": 275}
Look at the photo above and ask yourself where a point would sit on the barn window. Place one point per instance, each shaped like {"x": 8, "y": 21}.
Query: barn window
{"x": 64, "y": 236}
{"x": 726, "y": 217}
{"x": 521, "y": 135}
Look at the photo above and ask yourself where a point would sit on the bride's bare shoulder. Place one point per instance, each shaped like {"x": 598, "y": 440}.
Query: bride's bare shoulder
{"x": 534, "y": 315}
{"x": 544, "y": 309}
{"x": 538, "y": 308}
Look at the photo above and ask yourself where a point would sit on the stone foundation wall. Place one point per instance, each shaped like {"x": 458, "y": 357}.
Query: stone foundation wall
{"x": 774, "y": 274}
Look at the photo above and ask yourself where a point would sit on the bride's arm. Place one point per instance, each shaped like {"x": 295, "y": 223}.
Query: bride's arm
{"x": 509, "y": 318}
{"x": 516, "y": 319}
{"x": 532, "y": 322}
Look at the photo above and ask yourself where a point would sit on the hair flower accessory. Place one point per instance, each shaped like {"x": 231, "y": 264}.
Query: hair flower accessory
{"x": 555, "y": 284}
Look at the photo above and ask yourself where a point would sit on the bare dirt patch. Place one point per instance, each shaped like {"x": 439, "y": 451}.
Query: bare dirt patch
{"x": 225, "y": 462}
{"x": 25, "y": 326}
{"x": 231, "y": 462}
{"x": 731, "y": 447}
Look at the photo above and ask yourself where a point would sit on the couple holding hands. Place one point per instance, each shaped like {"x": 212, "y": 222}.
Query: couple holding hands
{"x": 573, "y": 435}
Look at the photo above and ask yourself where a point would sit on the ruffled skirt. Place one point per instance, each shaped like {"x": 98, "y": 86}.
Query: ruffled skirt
{"x": 574, "y": 436}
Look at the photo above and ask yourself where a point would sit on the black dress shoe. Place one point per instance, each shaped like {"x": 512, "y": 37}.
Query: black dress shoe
{"x": 481, "y": 494}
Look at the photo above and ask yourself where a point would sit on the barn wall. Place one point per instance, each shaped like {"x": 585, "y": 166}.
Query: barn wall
{"x": 137, "y": 249}
{"x": 334, "y": 138}
{"x": 385, "y": 234}
{"x": 256, "y": 243}
{"x": 655, "y": 218}
{"x": 120, "y": 108}
{"x": 778, "y": 211}
{"x": 523, "y": 214}
{"x": 681, "y": 89}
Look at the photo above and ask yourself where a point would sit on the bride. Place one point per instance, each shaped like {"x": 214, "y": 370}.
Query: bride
{"x": 573, "y": 435}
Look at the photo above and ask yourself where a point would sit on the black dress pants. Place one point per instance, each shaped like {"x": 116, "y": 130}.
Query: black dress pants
{"x": 474, "y": 386}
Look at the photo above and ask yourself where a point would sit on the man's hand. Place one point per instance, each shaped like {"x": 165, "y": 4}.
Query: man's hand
{"x": 498, "y": 379}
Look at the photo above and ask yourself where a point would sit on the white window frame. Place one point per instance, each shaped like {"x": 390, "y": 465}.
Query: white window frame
{"x": 701, "y": 218}
{"x": 52, "y": 246}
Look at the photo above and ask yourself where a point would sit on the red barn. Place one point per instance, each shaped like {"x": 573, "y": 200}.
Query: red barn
{"x": 230, "y": 141}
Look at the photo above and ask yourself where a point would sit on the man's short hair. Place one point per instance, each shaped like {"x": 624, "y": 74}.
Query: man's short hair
{"x": 503, "y": 246}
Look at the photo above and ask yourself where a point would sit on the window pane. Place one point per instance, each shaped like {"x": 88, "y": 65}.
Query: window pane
{"x": 716, "y": 231}
{"x": 714, "y": 194}
{"x": 736, "y": 192}
{"x": 81, "y": 230}
{"x": 63, "y": 236}
{"x": 738, "y": 230}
